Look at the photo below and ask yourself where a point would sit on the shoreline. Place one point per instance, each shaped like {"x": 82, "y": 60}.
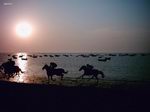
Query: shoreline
{"x": 76, "y": 82}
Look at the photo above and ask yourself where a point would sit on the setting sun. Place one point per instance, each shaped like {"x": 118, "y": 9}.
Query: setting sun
{"x": 24, "y": 29}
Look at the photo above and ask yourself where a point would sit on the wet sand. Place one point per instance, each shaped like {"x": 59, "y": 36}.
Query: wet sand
{"x": 58, "y": 97}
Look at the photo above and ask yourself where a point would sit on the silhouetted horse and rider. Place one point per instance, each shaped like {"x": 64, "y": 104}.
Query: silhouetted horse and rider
{"x": 90, "y": 71}
{"x": 10, "y": 69}
{"x": 52, "y": 70}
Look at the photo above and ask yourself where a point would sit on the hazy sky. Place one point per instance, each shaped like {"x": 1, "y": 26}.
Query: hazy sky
{"x": 76, "y": 25}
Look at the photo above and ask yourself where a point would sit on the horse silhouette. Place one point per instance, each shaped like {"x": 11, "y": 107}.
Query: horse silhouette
{"x": 54, "y": 71}
{"x": 10, "y": 70}
{"x": 91, "y": 72}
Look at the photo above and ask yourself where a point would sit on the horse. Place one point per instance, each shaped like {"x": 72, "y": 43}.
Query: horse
{"x": 10, "y": 70}
{"x": 16, "y": 70}
{"x": 91, "y": 72}
{"x": 54, "y": 71}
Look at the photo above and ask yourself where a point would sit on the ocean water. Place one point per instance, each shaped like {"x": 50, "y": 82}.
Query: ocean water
{"x": 129, "y": 67}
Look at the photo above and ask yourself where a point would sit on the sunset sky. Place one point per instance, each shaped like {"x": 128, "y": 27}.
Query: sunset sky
{"x": 76, "y": 25}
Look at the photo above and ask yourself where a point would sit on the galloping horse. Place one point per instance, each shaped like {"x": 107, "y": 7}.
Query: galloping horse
{"x": 54, "y": 71}
{"x": 10, "y": 70}
{"x": 91, "y": 72}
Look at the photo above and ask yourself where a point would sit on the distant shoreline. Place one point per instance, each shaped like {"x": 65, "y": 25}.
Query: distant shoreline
{"x": 76, "y": 52}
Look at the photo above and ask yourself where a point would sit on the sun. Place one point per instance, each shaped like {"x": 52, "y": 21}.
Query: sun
{"x": 23, "y": 29}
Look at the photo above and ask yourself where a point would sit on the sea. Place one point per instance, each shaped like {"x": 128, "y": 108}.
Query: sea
{"x": 117, "y": 66}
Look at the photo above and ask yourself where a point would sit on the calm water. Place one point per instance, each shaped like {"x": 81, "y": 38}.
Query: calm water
{"x": 131, "y": 68}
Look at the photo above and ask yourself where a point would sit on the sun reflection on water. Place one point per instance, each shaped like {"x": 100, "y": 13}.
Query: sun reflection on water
{"x": 23, "y": 65}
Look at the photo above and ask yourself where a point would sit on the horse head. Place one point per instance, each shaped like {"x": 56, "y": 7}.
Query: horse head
{"x": 4, "y": 66}
{"x": 45, "y": 67}
{"x": 82, "y": 68}
{"x": 1, "y": 67}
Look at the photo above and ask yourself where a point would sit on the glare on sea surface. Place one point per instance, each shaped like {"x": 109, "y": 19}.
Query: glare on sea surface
{"x": 23, "y": 65}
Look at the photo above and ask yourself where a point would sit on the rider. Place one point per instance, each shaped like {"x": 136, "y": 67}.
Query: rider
{"x": 10, "y": 64}
{"x": 90, "y": 67}
{"x": 53, "y": 65}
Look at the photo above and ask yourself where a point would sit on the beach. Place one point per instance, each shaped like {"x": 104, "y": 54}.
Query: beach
{"x": 44, "y": 97}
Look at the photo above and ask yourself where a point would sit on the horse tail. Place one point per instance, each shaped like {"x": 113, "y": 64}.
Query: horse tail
{"x": 80, "y": 69}
{"x": 21, "y": 70}
{"x": 102, "y": 74}
{"x": 65, "y": 72}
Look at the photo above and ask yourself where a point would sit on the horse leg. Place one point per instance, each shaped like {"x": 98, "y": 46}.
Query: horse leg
{"x": 62, "y": 77}
{"x": 12, "y": 75}
{"x": 52, "y": 78}
{"x": 102, "y": 75}
{"x": 80, "y": 76}
{"x": 8, "y": 76}
{"x": 96, "y": 76}
{"x": 48, "y": 79}
{"x": 91, "y": 78}
{"x": 18, "y": 74}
